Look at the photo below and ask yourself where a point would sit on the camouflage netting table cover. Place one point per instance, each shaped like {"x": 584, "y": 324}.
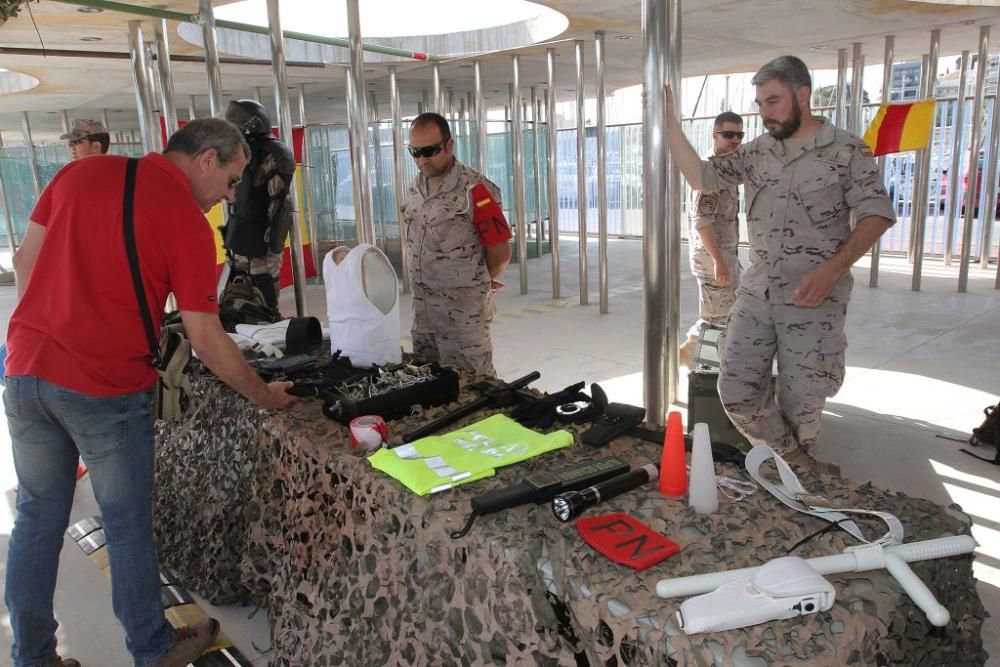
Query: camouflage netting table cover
{"x": 353, "y": 569}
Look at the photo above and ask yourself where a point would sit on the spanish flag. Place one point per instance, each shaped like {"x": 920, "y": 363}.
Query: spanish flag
{"x": 901, "y": 127}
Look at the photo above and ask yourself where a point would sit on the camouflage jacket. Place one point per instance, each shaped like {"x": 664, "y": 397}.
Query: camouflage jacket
{"x": 799, "y": 206}
{"x": 444, "y": 251}
{"x": 720, "y": 209}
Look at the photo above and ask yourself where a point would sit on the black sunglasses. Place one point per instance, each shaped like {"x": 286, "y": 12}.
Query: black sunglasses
{"x": 730, "y": 134}
{"x": 426, "y": 151}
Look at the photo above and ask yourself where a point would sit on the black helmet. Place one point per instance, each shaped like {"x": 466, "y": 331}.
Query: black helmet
{"x": 248, "y": 115}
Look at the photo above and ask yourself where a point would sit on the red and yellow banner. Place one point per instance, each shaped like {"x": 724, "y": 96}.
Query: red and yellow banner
{"x": 901, "y": 127}
{"x": 214, "y": 216}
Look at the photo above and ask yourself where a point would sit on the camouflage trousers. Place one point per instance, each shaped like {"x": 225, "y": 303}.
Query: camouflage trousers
{"x": 715, "y": 300}
{"x": 257, "y": 268}
{"x": 809, "y": 345}
{"x": 454, "y": 331}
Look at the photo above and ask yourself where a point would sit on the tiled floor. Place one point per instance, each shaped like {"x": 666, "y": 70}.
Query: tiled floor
{"x": 920, "y": 365}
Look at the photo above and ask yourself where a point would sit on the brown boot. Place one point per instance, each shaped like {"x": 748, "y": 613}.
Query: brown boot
{"x": 65, "y": 662}
{"x": 800, "y": 457}
{"x": 192, "y": 641}
{"x": 685, "y": 353}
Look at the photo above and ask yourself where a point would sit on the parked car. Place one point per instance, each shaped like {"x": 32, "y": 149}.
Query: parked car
{"x": 979, "y": 189}
{"x": 900, "y": 187}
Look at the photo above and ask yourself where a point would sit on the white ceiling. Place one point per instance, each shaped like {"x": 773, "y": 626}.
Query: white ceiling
{"x": 719, "y": 36}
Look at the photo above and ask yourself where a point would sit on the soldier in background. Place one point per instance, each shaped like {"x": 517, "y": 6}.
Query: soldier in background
{"x": 87, "y": 137}
{"x": 802, "y": 180}
{"x": 458, "y": 247}
{"x": 260, "y": 215}
{"x": 713, "y": 240}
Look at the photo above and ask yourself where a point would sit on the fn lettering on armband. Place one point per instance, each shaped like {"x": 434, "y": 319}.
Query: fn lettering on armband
{"x": 625, "y": 540}
{"x": 488, "y": 217}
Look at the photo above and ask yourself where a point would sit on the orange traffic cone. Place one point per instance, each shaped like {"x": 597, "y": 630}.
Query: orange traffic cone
{"x": 673, "y": 468}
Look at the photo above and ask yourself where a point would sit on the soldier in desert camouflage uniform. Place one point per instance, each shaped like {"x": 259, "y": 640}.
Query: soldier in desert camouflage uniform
{"x": 453, "y": 270}
{"x": 713, "y": 240}
{"x": 802, "y": 180}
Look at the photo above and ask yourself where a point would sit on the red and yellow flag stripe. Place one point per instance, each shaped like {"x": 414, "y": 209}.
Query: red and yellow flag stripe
{"x": 901, "y": 127}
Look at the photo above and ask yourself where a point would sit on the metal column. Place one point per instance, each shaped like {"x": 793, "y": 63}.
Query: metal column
{"x": 168, "y": 107}
{"x": 36, "y": 181}
{"x": 481, "y": 136}
{"x": 285, "y": 127}
{"x": 469, "y": 110}
{"x": 356, "y": 173}
{"x": 517, "y": 166}
{"x": 397, "y": 172}
{"x": 551, "y": 143}
{"x": 66, "y": 124}
{"x": 137, "y": 53}
{"x": 657, "y": 164}
{"x": 919, "y": 215}
{"x": 581, "y": 174}
{"x": 359, "y": 126}
{"x": 192, "y": 108}
{"x": 153, "y": 96}
{"x": 970, "y": 195}
{"x": 104, "y": 119}
{"x": 307, "y": 184}
{"x": 8, "y": 217}
{"x": 206, "y": 15}
{"x": 602, "y": 174}
{"x": 673, "y": 220}
{"x": 857, "y": 88}
{"x": 377, "y": 202}
{"x": 989, "y": 202}
{"x": 536, "y": 142}
{"x": 438, "y": 103}
{"x": 917, "y": 173}
{"x": 887, "y": 58}
{"x": 956, "y": 162}
{"x": 838, "y": 112}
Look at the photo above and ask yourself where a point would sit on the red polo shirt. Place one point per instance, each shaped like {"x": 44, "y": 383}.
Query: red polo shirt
{"x": 78, "y": 323}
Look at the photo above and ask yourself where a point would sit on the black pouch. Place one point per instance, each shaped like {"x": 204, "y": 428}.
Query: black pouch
{"x": 617, "y": 419}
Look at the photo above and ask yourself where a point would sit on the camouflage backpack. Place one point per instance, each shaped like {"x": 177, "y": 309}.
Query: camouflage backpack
{"x": 242, "y": 303}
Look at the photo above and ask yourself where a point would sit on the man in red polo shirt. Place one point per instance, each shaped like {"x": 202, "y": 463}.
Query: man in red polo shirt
{"x": 79, "y": 376}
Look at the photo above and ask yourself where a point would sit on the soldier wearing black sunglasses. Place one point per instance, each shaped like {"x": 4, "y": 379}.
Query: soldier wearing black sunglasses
{"x": 457, "y": 246}
{"x": 713, "y": 239}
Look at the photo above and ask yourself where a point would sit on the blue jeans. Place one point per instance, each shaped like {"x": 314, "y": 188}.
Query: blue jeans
{"x": 50, "y": 426}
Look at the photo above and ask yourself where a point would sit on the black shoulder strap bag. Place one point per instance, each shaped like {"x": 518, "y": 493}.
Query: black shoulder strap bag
{"x": 171, "y": 355}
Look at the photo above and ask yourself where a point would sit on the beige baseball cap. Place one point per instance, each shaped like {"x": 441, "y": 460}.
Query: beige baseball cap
{"x": 83, "y": 127}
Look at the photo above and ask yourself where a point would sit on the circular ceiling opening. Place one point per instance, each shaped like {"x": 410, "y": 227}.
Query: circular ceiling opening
{"x": 455, "y": 28}
{"x": 15, "y": 82}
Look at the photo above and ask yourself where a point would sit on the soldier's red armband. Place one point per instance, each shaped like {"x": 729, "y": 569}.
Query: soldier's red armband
{"x": 487, "y": 216}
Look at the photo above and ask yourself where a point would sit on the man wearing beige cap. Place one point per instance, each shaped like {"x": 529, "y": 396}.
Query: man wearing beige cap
{"x": 87, "y": 137}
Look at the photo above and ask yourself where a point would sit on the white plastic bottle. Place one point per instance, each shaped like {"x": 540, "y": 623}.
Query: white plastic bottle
{"x": 703, "y": 495}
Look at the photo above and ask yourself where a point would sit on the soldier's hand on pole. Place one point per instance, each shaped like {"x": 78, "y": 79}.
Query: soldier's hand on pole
{"x": 496, "y": 286}
{"x": 815, "y": 287}
{"x": 668, "y": 100}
